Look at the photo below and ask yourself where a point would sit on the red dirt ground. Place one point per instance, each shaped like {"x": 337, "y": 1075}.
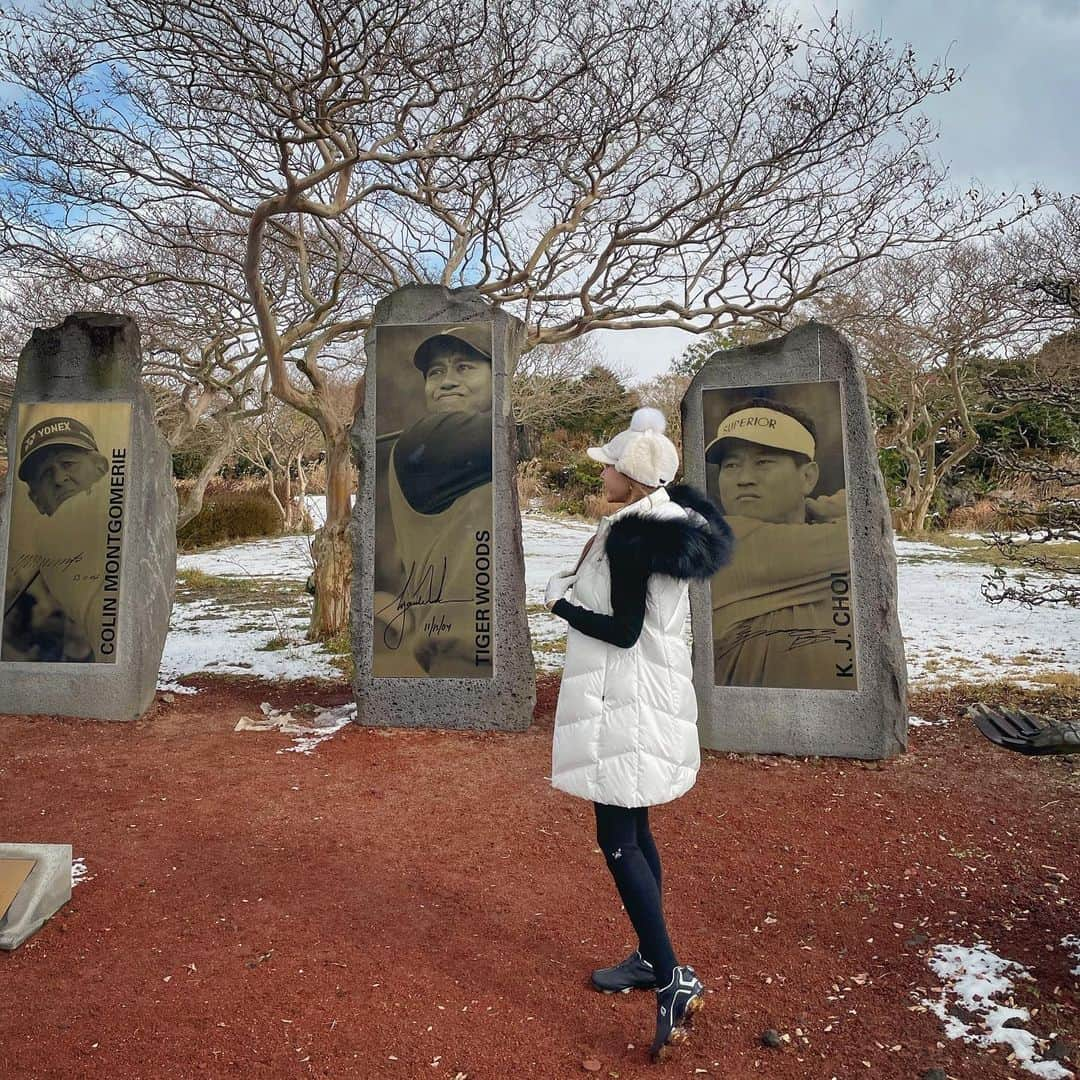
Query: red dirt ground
{"x": 421, "y": 904}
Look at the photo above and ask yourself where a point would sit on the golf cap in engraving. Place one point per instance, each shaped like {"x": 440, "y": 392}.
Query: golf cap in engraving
{"x": 55, "y": 431}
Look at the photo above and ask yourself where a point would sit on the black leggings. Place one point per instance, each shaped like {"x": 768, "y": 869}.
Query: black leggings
{"x": 623, "y": 836}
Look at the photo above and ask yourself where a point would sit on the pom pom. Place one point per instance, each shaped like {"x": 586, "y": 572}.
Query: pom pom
{"x": 648, "y": 419}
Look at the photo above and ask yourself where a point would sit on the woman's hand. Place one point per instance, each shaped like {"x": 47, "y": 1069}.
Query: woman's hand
{"x": 558, "y": 586}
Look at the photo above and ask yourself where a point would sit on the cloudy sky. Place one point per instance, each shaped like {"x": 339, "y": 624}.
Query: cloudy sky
{"x": 1011, "y": 122}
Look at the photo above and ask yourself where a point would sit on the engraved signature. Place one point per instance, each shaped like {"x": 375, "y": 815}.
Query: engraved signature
{"x": 423, "y": 586}
{"x": 30, "y": 560}
{"x": 800, "y": 637}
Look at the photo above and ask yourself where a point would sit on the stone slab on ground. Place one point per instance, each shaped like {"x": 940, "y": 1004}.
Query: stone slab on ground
{"x": 43, "y": 893}
{"x": 870, "y": 722}
{"x": 95, "y": 358}
{"x": 505, "y": 701}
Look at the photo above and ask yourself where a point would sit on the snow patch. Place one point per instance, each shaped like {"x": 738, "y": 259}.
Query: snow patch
{"x": 951, "y": 632}
{"x": 171, "y": 686}
{"x": 308, "y": 733}
{"x": 1072, "y": 943}
{"x": 283, "y": 557}
{"x": 208, "y": 636}
{"x": 78, "y": 872}
{"x": 1019, "y": 537}
{"x": 316, "y": 507}
{"x": 973, "y": 977}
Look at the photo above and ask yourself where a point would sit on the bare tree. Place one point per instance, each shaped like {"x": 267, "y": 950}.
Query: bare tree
{"x": 9, "y": 351}
{"x": 548, "y": 384}
{"x": 650, "y": 163}
{"x": 1043, "y": 258}
{"x": 928, "y": 329}
{"x": 1039, "y": 568}
{"x": 276, "y": 442}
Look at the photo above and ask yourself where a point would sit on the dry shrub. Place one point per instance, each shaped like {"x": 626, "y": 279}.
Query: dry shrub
{"x": 1064, "y": 680}
{"x": 227, "y": 516}
{"x": 1006, "y": 511}
{"x": 316, "y": 478}
{"x": 998, "y": 514}
{"x": 530, "y": 482}
{"x": 222, "y": 485}
{"x": 550, "y": 501}
{"x": 982, "y": 516}
{"x": 1015, "y": 517}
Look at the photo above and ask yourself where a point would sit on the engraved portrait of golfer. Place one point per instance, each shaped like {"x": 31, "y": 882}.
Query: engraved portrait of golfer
{"x": 61, "y": 586}
{"x": 434, "y": 540}
{"x": 782, "y": 608}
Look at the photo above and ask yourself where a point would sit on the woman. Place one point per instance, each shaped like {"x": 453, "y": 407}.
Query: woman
{"x": 626, "y": 722}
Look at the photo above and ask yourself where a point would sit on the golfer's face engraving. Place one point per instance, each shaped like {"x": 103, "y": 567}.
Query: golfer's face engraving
{"x": 58, "y": 473}
{"x": 456, "y": 382}
{"x": 760, "y": 482}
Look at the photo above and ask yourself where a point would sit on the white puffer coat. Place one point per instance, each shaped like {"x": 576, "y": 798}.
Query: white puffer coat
{"x": 626, "y": 722}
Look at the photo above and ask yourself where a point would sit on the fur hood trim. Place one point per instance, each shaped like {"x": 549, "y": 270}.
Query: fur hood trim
{"x": 686, "y": 548}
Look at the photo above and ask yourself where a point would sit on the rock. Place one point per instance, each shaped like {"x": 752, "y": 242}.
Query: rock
{"x": 1061, "y": 1050}
{"x": 966, "y": 1015}
{"x": 836, "y": 683}
{"x": 934, "y": 1074}
{"x": 770, "y": 1037}
{"x": 444, "y": 643}
{"x": 89, "y": 567}
{"x": 44, "y": 879}
{"x": 916, "y": 941}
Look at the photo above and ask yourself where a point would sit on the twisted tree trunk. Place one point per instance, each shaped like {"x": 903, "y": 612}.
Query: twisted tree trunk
{"x": 330, "y": 545}
{"x": 193, "y": 504}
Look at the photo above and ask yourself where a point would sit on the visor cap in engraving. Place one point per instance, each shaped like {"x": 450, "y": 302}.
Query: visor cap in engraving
{"x": 766, "y": 427}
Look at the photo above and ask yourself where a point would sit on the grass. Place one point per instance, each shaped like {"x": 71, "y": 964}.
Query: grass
{"x": 212, "y": 585}
{"x": 197, "y": 579}
{"x": 345, "y": 665}
{"x": 340, "y": 648}
{"x": 1058, "y": 697}
{"x": 552, "y": 646}
{"x": 977, "y": 551}
{"x": 1060, "y": 680}
{"x": 275, "y": 644}
{"x": 238, "y": 591}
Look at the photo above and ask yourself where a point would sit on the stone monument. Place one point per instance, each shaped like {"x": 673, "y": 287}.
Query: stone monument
{"x": 35, "y": 883}
{"x": 87, "y": 527}
{"x": 439, "y": 629}
{"x": 797, "y": 645}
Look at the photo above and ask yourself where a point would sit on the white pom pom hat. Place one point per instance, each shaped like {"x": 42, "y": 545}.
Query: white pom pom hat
{"x": 643, "y": 452}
